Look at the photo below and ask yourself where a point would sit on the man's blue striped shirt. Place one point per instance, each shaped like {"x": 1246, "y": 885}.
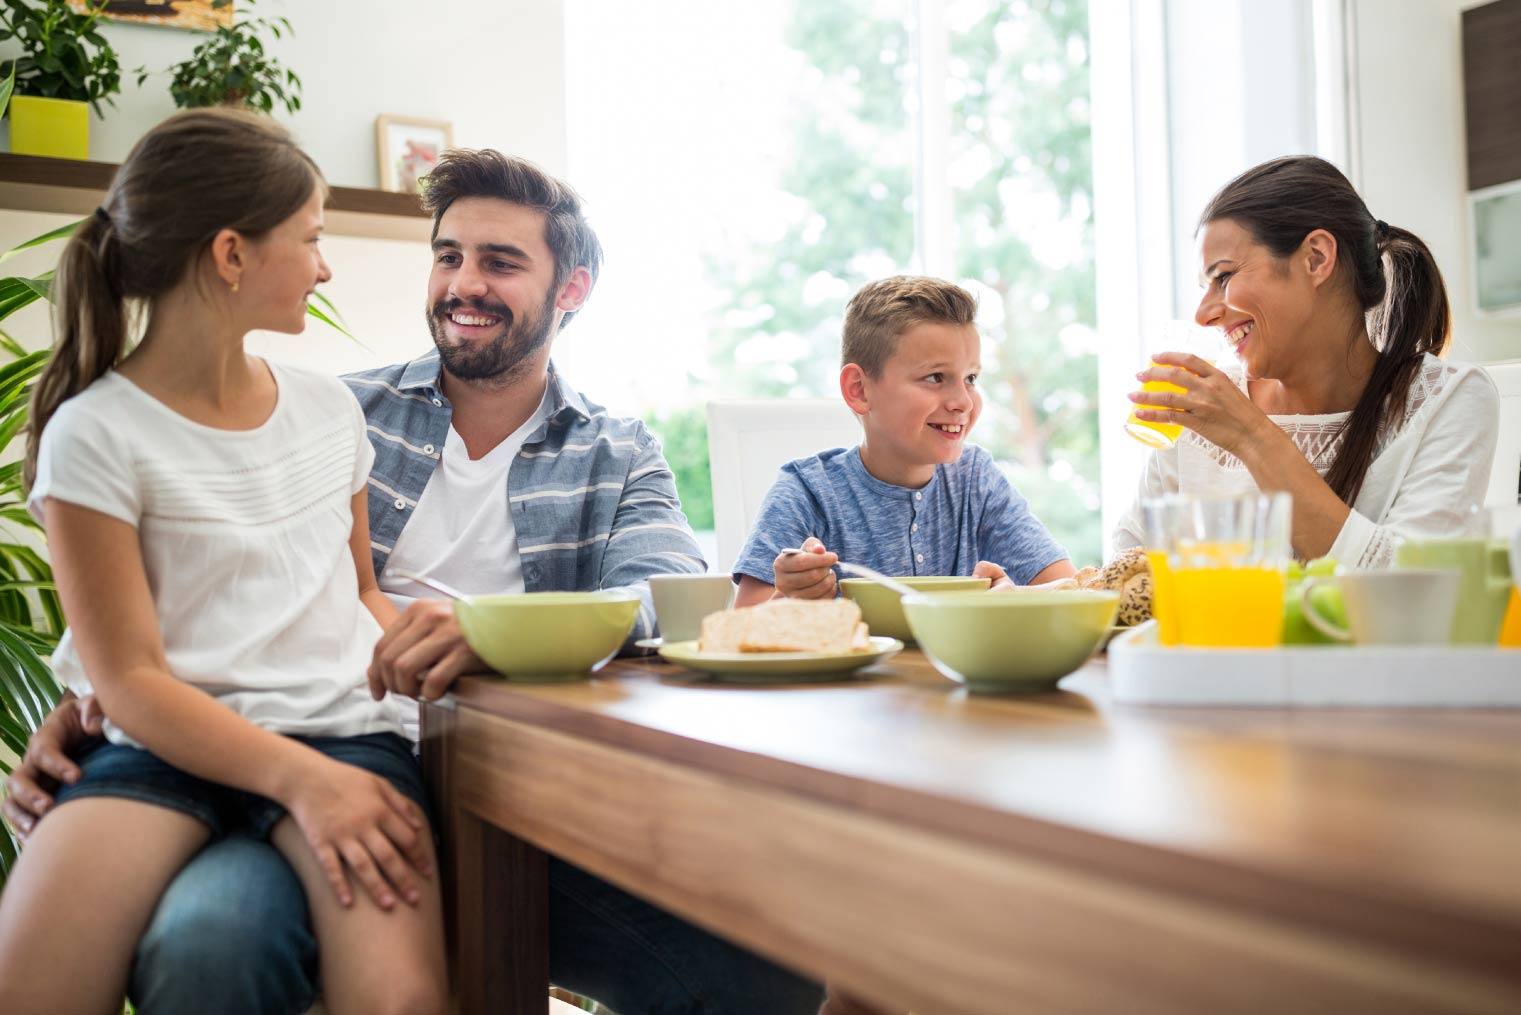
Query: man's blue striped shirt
{"x": 593, "y": 502}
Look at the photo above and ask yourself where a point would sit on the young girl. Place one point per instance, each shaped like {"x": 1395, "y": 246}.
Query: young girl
{"x": 205, "y": 511}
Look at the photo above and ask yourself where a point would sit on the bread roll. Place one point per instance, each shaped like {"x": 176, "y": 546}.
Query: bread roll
{"x": 1128, "y": 574}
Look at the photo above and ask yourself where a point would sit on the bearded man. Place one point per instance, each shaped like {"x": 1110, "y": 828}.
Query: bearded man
{"x": 492, "y": 475}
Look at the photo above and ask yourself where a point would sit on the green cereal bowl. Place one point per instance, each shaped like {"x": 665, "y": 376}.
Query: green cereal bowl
{"x": 1011, "y": 642}
{"x": 882, "y": 608}
{"x": 547, "y": 636}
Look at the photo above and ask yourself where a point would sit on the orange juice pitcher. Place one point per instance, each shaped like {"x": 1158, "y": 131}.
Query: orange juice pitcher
{"x": 1217, "y": 568}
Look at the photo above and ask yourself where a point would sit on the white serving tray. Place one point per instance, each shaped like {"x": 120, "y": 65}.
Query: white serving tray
{"x": 1144, "y": 672}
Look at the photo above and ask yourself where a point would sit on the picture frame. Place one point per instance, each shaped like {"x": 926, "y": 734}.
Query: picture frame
{"x": 407, "y": 147}
{"x": 1494, "y": 228}
{"x": 195, "y": 15}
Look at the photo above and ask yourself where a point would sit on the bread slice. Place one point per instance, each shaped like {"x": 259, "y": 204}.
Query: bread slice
{"x": 787, "y": 625}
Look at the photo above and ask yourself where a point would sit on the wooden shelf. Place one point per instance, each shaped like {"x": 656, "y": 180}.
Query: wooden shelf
{"x": 68, "y": 186}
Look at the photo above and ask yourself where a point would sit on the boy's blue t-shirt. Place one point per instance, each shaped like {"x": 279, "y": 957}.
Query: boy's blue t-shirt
{"x": 968, "y": 512}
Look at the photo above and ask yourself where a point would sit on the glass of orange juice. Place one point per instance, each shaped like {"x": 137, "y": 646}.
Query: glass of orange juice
{"x": 1220, "y": 581}
{"x": 1174, "y": 336}
{"x": 1159, "y": 520}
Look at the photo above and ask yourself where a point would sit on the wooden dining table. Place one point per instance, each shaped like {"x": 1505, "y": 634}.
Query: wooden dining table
{"x": 929, "y": 850}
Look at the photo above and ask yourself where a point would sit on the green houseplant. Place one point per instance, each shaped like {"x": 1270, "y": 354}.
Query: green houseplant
{"x": 232, "y": 69}
{"x": 67, "y": 68}
{"x": 31, "y": 618}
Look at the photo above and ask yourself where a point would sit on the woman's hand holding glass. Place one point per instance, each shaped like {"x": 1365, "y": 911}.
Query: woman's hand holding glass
{"x": 356, "y": 820}
{"x": 1210, "y": 404}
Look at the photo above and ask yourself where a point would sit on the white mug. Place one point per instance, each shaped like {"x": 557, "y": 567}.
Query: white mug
{"x": 682, "y": 600}
{"x": 1399, "y": 607}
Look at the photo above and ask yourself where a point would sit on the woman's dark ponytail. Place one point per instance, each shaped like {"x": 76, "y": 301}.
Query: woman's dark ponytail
{"x": 1283, "y": 201}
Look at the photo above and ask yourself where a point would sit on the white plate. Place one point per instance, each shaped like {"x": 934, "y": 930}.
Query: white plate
{"x": 778, "y": 667}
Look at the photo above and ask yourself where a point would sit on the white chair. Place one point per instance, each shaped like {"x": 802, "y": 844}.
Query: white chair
{"x": 1505, "y": 479}
{"x": 748, "y": 441}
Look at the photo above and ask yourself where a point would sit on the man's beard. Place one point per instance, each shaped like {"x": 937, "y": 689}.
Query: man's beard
{"x": 505, "y": 357}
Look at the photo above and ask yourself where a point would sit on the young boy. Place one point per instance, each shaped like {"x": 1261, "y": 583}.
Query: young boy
{"x": 914, "y": 498}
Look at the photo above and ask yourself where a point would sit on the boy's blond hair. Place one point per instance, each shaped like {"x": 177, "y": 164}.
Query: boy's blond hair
{"x": 879, "y": 314}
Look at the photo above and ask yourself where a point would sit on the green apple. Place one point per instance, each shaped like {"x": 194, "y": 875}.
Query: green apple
{"x": 1328, "y": 603}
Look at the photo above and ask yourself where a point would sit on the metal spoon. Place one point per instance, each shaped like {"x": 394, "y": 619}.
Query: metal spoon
{"x": 432, "y": 583}
{"x": 864, "y": 572}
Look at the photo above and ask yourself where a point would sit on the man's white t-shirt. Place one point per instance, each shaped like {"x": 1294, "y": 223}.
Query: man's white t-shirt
{"x": 245, "y": 540}
{"x": 461, "y": 532}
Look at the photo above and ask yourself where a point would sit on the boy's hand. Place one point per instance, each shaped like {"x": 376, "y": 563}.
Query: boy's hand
{"x": 806, "y": 575}
{"x": 1000, "y": 577}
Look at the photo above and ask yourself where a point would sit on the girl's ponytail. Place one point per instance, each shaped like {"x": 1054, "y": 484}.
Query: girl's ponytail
{"x": 90, "y": 326}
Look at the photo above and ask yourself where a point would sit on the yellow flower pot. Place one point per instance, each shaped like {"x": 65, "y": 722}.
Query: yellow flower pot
{"x": 57, "y": 128}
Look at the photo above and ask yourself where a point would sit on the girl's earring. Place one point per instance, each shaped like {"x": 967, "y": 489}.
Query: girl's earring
{"x": 234, "y": 285}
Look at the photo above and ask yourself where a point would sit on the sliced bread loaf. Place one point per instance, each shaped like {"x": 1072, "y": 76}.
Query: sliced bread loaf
{"x": 787, "y": 625}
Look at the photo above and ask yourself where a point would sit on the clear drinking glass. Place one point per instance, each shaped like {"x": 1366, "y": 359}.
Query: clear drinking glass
{"x": 1217, "y": 568}
{"x": 1159, "y": 520}
{"x": 1172, "y": 336}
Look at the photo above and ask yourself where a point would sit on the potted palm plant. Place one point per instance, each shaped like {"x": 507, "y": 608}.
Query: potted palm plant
{"x": 233, "y": 69}
{"x": 66, "y": 68}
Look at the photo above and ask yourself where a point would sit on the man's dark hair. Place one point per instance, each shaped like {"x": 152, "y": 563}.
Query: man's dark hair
{"x": 464, "y": 172}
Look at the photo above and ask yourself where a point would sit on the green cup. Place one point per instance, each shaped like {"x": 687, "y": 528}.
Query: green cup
{"x": 1483, "y": 590}
{"x": 882, "y": 608}
{"x": 547, "y": 636}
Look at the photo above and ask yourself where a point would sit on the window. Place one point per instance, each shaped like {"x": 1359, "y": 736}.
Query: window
{"x": 748, "y": 166}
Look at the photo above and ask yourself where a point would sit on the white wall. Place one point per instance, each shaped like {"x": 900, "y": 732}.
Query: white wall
{"x": 494, "y": 68}
{"x": 1409, "y": 143}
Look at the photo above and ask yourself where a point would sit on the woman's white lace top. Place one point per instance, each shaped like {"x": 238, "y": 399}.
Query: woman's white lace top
{"x": 1431, "y": 464}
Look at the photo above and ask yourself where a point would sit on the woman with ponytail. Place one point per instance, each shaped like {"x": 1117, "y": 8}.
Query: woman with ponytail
{"x": 205, "y": 511}
{"x": 1342, "y": 399}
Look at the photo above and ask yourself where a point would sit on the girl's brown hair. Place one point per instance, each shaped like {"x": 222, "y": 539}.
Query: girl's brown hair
{"x": 192, "y": 176}
{"x": 1283, "y": 201}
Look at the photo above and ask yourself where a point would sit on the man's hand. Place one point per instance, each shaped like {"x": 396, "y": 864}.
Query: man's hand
{"x": 46, "y": 764}
{"x": 358, "y": 824}
{"x": 806, "y": 575}
{"x": 999, "y": 578}
{"x": 422, "y": 653}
